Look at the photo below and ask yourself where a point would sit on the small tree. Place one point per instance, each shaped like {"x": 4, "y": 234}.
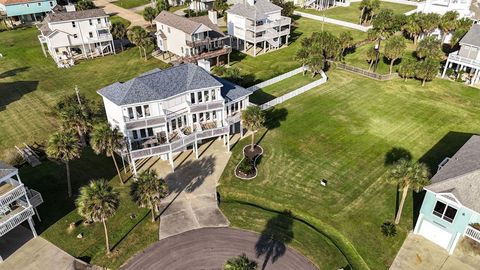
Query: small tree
{"x": 371, "y": 55}
{"x": 316, "y": 64}
{"x": 253, "y": 119}
{"x": 303, "y": 57}
{"x": 408, "y": 175}
{"x": 364, "y": 6}
{"x": 412, "y": 27}
{"x": 161, "y": 6}
{"x": 107, "y": 140}
{"x": 140, "y": 37}
{"x": 149, "y": 14}
{"x": 448, "y": 22}
{"x": 241, "y": 262}
{"x": 394, "y": 49}
{"x": 407, "y": 68}
{"x": 85, "y": 4}
{"x": 346, "y": 41}
{"x": 148, "y": 191}
{"x": 430, "y": 47}
{"x": 119, "y": 31}
{"x": 429, "y": 22}
{"x": 98, "y": 202}
{"x": 427, "y": 70}
{"x": 64, "y": 146}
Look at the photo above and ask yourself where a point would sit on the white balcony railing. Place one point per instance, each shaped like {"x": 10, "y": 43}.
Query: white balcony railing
{"x": 35, "y": 197}
{"x": 473, "y": 233}
{"x": 12, "y": 195}
{"x": 102, "y": 26}
{"x": 101, "y": 37}
{"x": 464, "y": 60}
{"x": 14, "y": 219}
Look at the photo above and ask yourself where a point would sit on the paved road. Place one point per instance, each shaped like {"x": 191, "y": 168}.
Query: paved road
{"x": 209, "y": 248}
{"x": 110, "y": 8}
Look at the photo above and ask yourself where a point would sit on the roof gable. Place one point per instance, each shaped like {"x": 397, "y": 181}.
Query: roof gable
{"x": 472, "y": 37}
{"x": 178, "y": 22}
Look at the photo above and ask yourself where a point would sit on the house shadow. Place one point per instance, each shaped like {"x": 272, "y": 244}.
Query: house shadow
{"x": 190, "y": 175}
{"x": 260, "y": 97}
{"x": 446, "y": 147}
{"x": 274, "y": 238}
{"x": 13, "y": 72}
{"x": 14, "y": 240}
{"x": 14, "y": 91}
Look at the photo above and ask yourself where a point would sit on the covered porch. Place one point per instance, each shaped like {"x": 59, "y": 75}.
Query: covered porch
{"x": 463, "y": 64}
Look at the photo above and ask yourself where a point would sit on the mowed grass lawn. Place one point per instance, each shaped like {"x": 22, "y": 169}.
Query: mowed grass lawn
{"x": 274, "y": 63}
{"x": 352, "y": 12}
{"x": 342, "y": 131}
{"x": 31, "y": 84}
{"x": 131, "y": 3}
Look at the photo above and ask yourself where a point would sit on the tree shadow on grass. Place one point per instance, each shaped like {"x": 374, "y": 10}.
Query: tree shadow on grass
{"x": 13, "y": 91}
{"x": 395, "y": 154}
{"x": 446, "y": 147}
{"x": 13, "y": 72}
{"x": 274, "y": 238}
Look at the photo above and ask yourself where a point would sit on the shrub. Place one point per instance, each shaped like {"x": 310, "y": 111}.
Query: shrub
{"x": 246, "y": 166}
{"x": 389, "y": 229}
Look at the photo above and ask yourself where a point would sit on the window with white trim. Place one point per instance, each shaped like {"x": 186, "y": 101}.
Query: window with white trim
{"x": 444, "y": 211}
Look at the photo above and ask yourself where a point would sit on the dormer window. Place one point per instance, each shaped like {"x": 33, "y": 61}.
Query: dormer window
{"x": 199, "y": 97}
{"x": 214, "y": 94}
{"x": 206, "y": 94}
{"x": 192, "y": 98}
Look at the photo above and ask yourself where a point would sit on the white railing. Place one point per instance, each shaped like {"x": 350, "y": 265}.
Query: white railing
{"x": 295, "y": 93}
{"x": 35, "y": 198}
{"x": 12, "y": 195}
{"x": 103, "y": 26}
{"x": 276, "y": 79}
{"x": 14, "y": 221}
{"x": 101, "y": 37}
{"x": 464, "y": 60}
{"x": 473, "y": 233}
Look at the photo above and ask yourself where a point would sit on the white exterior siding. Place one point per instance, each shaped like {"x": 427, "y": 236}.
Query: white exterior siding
{"x": 176, "y": 40}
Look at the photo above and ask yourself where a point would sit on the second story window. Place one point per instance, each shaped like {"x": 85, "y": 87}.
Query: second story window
{"x": 75, "y": 36}
{"x": 213, "y": 94}
{"x": 192, "y": 98}
{"x": 74, "y": 25}
{"x": 99, "y": 21}
{"x": 444, "y": 211}
{"x": 207, "y": 96}
{"x": 168, "y": 30}
{"x": 130, "y": 113}
{"x": 90, "y": 34}
{"x": 199, "y": 97}
{"x": 139, "y": 112}
{"x": 51, "y": 3}
{"x": 39, "y": 4}
{"x": 146, "y": 109}
{"x": 90, "y": 22}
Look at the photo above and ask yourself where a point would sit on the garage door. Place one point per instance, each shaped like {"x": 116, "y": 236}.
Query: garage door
{"x": 435, "y": 234}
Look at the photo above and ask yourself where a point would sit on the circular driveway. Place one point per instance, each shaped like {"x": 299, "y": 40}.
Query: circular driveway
{"x": 209, "y": 248}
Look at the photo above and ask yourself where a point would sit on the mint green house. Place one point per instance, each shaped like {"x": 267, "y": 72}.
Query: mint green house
{"x": 22, "y": 11}
{"x": 452, "y": 201}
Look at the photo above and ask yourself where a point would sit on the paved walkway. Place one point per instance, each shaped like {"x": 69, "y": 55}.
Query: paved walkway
{"x": 110, "y": 8}
{"x": 209, "y": 248}
{"x": 192, "y": 203}
{"x": 21, "y": 251}
{"x": 418, "y": 253}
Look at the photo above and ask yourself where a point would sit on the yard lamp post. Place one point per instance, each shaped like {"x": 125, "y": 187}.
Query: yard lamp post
{"x": 377, "y": 52}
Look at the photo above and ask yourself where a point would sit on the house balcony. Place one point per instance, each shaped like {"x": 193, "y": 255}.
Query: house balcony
{"x": 472, "y": 233}
{"x": 177, "y": 140}
{"x": 206, "y": 55}
{"x": 10, "y": 192}
{"x": 101, "y": 38}
{"x": 207, "y": 106}
{"x": 206, "y": 41}
{"x": 102, "y": 26}
{"x": 14, "y": 217}
{"x": 263, "y": 27}
{"x": 270, "y": 34}
{"x": 456, "y": 58}
{"x": 146, "y": 122}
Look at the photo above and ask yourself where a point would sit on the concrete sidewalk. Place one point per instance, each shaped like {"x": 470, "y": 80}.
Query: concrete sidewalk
{"x": 110, "y": 8}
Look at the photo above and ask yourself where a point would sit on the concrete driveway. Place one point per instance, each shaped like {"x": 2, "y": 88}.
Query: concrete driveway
{"x": 192, "y": 203}
{"x": 21, "y": 251}
{"x": 209, "y": 248}
{"x": 418, "y": 253}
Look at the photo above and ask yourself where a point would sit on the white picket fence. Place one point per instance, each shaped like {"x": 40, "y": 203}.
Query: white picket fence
{"x": 333, "y": 21}
{"x": 275, "y": 80}
{"x": 295, "y": 93}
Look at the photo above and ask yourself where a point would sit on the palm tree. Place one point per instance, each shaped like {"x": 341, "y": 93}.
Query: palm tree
{"x": 412, "y": 27}
{"x": 346, "y": 41}
{"x": 106, "y": 140}
{"x": 448, "y": 22}
{"x": 426, "y": 70}
{"x": 140, "y": 37}
{"x": 407, "y": 68}
{"x": 253, "y": 118}
{"x": 303, "y": 56}
{"x": 64, "y": 146}
{"x": 149, "y": 14}
{"x": 241, "y": 262}
{"x": 430, "y": 47}
{"x": 148, "y": 191}
{"x": 364, "y": 6}
{"x": 429, "y": 22}
{"x": 394, "y": 49}
{"x": 374, "y": 7}
{"x": 119, "y": 31}
{"x": 408, "y": 175}
{"x": 98, "y": 202}
{"x": 316, "y": 64}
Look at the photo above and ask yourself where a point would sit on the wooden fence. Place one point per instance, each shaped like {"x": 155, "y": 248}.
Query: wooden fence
{"x": 363, "y": 72}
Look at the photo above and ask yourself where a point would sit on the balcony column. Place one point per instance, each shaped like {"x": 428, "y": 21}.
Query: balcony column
{"x": 134, "y": 165}
{"x": 241, "y": 130}
{"x": 170, "y": 159}
{"x": 475, "y": 77}
{"x": 228, "y": 142}
{"x": 445, "y": 69}
{"x": 30, "y": 222}
{"x": 195, "y": 147}
{"x": 43, "y": 49}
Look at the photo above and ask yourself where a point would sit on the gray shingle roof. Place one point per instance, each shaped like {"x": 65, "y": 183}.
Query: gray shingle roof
{"x": 205, "y": 20}
{"x": 76, "y": 15}
{"x": 231, "y": 91}
{"x": 159, "y": 84}
{"x": 472, "y": 37}
{"x": 6, "y": 169}
{"x": 461, "y": 175}
{"x": 178, "y": 22}
{"x": 256, "y": 12}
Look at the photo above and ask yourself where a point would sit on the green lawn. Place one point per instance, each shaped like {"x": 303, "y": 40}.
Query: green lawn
{"x": 116, "y": 18}
{"x": 274, "y": 63}
{"x": 31, "y": 84}
{"x": 281, "y": 88}
{"x": 342, "y": 131}
{"x": 131, "y": 3}
{"x": 352, "y": 12}
{"x": 127, "y": 236}
{"x": 359, "y": 56}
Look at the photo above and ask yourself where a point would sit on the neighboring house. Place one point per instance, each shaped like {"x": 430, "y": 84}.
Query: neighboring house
{"x": 451, "y": 204}
{"x": 70, "y": 35}
{"x": 24, "y": 11}
{"x": 321, "y": 4}
{"x": 17, "y": 202}
{"x": 162, "y": 112}
{"x": 468, "y": 57}
{"x": 201, "y": 5}
{"x": 257, "y": 26}
{"x": 463, "y": 7}
{"x": 192, "y": 39}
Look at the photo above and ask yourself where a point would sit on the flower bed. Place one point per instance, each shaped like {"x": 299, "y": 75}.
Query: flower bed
{"x": 246, "y": 168}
